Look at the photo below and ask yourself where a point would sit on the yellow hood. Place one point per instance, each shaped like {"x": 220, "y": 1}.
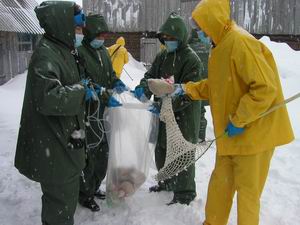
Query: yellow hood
{"x": 213, "y": 17}
{"x": 243, "y": 83}
{"x": 121, "y": 41}
{"x": 119, "y": 55}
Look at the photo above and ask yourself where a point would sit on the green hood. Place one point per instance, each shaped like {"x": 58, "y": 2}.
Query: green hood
{"x": 175, "y": 27}
{"x": 95, "y": 24}
{"x": 57, "y": 19}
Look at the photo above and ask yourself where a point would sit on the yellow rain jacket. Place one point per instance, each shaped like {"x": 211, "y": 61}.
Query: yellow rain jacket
{"x": 119, "y": 55}
{"x": 243, "y": 83}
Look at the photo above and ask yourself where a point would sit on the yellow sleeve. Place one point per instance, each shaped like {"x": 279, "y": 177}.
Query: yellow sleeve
{"x": 110, "y": 50}
{"x": 126, "y": 58}
{"x": 197, "y": 90}
{"x": 118, "y": 63}
{"x": 260, "y": 76}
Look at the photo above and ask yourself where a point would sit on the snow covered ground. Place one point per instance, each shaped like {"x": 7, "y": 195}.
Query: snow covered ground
{"x": 20, "y": 202}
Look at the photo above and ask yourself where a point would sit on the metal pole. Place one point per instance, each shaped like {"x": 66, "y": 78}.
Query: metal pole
{"x": 294, "y": 97}
{"x": 127, "y": 74}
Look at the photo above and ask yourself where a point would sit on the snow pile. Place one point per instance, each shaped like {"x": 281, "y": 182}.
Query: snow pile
{"x": 287, "y": 59}
{"x": 20, "y": 201}
{"x": 133, "y": 72}
{"x": 288, "y": 62}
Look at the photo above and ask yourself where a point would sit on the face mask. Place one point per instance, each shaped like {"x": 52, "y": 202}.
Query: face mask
{"x": 171, "y": 45}
{"x": 203, "y": 38}
{"x": 78, "y": 40}
{"x": 96, "y": 43}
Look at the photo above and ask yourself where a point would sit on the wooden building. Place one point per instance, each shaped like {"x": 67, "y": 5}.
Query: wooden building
{"x": 138, "y": 20}
{"x": 19, "y": 30}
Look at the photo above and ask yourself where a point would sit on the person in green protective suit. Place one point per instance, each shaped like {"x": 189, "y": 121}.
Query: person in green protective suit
{"x": 98, "y": 68}
{"x": 50, "y": 146}
{"x": 180, "y": 61}
{"x": 201, "y": 45}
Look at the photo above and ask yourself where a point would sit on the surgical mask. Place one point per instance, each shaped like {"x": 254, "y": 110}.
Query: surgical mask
{"x": 78, "y": 40}
{"x": 203, "y": 38}
{"x": 171, "y": 45}
{"x": 96, "y": 43}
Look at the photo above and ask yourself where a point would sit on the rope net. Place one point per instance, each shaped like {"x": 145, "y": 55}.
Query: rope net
{"x": 180, "y": 153}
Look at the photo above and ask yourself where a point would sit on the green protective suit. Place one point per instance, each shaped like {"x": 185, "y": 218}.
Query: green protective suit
{"x": 185, "y": 66}
{"x": 98, "y": 68}
{"x": 202, "y": 50}
{"x": 53, "y": 109}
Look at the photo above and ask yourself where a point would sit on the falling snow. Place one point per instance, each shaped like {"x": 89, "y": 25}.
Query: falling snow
{"x": 20, "y": 198}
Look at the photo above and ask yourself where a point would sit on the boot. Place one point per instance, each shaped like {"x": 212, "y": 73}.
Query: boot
{"x": 100, "y": 194}
{"x": 175, "y": 201}
{"x": 181, "y": 198}
{"x": 91, "y": 204}
{"x": 155, "y": 188}
{"x": 158, "y": 188}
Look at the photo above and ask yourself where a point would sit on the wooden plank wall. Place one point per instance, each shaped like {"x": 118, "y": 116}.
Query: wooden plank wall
{"x": 186, "y": 8}
{"x": 133, "y": 15}
{"x": 279, "y": 17}
{"x": 268, "y": 16}
{"x": 12, "y": 62}
{"x": 297, "y": 17}
{"x": 149, "y": 49}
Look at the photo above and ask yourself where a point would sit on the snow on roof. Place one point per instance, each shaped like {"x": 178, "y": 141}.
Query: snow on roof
{"x": 19, "y": 16}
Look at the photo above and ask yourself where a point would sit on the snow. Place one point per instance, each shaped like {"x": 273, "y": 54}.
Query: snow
{"x": 20, "y": 201}
{"x": 288, "y": 62}
{"x": 132, "y": 72}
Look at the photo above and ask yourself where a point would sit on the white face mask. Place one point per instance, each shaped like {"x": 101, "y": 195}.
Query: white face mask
{"x": 171, "y": 45}
{"x": 96, "y": 43}
{"x": 203, "y": 37}
{"x": 78, "y": 40}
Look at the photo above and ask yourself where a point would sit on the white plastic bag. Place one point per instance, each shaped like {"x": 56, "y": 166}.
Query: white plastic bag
{"x": 131, "y": 133}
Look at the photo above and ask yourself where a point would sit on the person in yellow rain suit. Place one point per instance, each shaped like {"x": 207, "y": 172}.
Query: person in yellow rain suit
{"x": 119, "y": 56}
{"x": 243, "y": 83}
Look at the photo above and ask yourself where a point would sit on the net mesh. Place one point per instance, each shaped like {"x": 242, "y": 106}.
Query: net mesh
{"x": 180, "y": 153}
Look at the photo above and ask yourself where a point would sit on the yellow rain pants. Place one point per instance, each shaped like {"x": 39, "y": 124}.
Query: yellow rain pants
{"x": 245, "y": 175}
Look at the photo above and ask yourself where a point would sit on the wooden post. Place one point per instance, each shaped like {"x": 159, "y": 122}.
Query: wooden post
{"x": 10, "y": 64}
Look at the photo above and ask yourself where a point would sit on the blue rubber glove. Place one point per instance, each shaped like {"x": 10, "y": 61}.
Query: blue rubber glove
{"x": 154, "y": 109}
{"x": 232, "y": 130}
{"x": 139, "y": 93}
{"x": 120, "y": 87}
{"x": 178, "y": 90}
{"x": 85, "y": 82}
{"x": 97, "y": 89}
{"x": 89, "y": 94}
{"x": 112, "y": 102}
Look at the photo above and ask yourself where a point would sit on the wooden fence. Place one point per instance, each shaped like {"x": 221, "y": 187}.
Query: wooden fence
{"x": 281, "y": 17}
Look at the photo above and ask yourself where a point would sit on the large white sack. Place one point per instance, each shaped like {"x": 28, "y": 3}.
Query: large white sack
{"x": 132, "y": 133}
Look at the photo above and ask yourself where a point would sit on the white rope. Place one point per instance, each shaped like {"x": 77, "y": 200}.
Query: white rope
{"x": 94, "y": 117}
